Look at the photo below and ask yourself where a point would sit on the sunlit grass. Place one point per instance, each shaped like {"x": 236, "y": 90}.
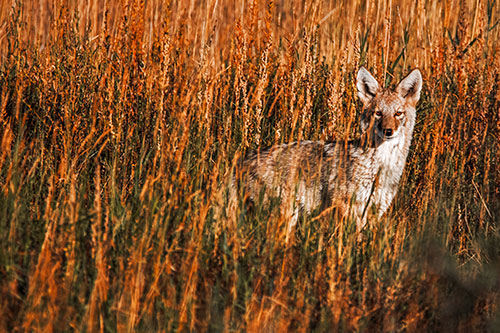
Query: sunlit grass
{"x": 121, "y": 122}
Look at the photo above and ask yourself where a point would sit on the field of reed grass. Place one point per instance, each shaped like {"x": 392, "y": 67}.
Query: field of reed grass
{"x": 120, "y": 123}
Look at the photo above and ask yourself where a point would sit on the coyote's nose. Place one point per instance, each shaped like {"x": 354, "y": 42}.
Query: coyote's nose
{"x": 387, "y": 131}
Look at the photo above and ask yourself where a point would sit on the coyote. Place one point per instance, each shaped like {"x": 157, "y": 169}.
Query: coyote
{"x": 350, "y": 176}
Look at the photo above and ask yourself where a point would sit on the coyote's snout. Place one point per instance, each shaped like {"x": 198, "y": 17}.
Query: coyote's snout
{"x": 350, "y": 176}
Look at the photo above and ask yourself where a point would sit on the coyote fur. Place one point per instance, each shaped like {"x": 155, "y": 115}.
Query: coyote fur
{"x": 351, "y": 176}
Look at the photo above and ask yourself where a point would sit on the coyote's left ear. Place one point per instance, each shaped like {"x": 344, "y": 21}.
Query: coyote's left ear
{"x": 367, "y": 86}
{"x": 409, "y": 88}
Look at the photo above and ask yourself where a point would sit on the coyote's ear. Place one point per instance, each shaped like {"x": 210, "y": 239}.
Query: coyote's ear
{"x": 367, "y": 86}
{"x": 409, "y": 88}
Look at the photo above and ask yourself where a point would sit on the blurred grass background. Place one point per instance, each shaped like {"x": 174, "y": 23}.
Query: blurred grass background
{"x": 121, "y": 121}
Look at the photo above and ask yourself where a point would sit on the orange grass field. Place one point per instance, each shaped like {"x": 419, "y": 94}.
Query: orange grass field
{"x": 122, "y": 120}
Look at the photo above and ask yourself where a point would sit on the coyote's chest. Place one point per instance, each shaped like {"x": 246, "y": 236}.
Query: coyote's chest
{"x": 377, "y": 174}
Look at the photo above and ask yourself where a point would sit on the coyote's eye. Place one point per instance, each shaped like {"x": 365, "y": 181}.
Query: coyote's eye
{"x": 378, "y": 114}
{"x": 398, "y": 114}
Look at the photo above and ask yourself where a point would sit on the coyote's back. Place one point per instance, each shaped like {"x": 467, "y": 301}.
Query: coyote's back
{"x": 351, "y": 176}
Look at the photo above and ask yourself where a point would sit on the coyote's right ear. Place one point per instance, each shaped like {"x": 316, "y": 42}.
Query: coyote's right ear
{"x": 409, "y": 88}
{"x": 367, "y": 86}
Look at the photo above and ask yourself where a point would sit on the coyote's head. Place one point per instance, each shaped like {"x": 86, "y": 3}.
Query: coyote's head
{"x": 386, "y": 112}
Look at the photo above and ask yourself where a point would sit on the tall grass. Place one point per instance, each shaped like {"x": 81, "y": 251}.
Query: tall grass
{"x": 121, "y": 122}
